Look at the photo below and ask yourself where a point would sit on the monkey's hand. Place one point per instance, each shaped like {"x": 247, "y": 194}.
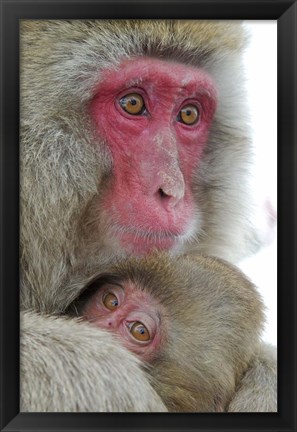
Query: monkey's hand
{"x": 257, "y": 392}
{"x": 70, "y": 366}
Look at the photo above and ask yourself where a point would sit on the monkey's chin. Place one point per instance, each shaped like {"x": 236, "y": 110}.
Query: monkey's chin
{"x": 143, "y": 246}
{"x": 144, "y": 243}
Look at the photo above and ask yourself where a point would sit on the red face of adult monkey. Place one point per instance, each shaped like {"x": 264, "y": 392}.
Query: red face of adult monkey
{"x": 132, "y": 138}
{"x": 155, "y": 117}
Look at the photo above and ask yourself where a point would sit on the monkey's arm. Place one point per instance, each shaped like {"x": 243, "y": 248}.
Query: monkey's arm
{"x": 257, "y": 391}
{"x": 69, "y": 366}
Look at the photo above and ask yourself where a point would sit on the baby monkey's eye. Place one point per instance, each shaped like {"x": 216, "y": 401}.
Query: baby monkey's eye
{"x": 139, "y": 331}
{"x": 110, "y": 301}
{"x": 188, "y": 115}
{"x": 133, "y": 104}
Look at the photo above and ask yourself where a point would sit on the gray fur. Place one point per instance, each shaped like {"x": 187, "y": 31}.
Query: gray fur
{"x": 64, "y": 170}
{"x": 69, "y": 366}
{"x": 257, "y": 392}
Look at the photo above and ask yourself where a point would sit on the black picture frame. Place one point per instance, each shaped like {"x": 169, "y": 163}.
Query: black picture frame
{"x": 285, "y": 11}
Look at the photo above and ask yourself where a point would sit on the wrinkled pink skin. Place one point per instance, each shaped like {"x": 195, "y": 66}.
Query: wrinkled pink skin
{"x": 133, "y": 305}
{"x": 154, "y": 155}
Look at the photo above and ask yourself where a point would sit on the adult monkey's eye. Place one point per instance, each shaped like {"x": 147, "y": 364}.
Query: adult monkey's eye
{"x": 132, "y": 103}
{"x": 139, "y": 331}
{"x": 188, "y": 115}
{"x": 110, "y": 301}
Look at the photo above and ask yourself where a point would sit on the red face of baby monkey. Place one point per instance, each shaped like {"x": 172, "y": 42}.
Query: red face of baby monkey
{"x": 133, "y": 314}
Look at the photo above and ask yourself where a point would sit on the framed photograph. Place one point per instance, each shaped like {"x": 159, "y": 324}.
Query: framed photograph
{"x": 128, "y": 131}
